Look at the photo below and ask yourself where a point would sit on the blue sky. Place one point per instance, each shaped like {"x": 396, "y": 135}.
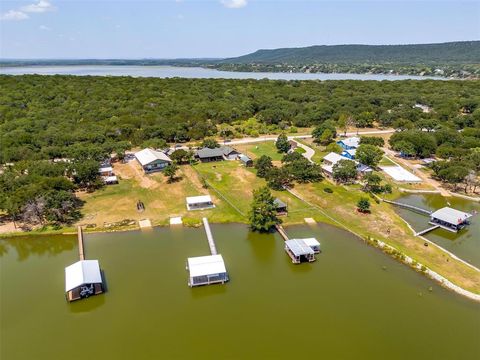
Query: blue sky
{"x": 216, "y": 28}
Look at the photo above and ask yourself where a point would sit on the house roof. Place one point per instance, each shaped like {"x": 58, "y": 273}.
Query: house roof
{"x": 311, "y": 242}
{"x": 206, "y": 265}
{"x": 279, "y": 203}
{"x": 147, "y": 156}
{"x": 451, "y": 216}
{"x": 227, "y": 150}
{"x": 351, "y": 141}
{"x": 334, "y": 157}
{"x": 207, "y": 152}
{"x": 298, "y": 247}
{"x": 82, "y": 272}
{"x": 198, "y": 199}
{"x": 351, "y": 152}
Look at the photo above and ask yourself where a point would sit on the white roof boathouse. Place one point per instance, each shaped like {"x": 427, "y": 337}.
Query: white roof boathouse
{"x": 206, "y": 270}
{"x": 450, "y": 219}
{"x": 199, "y": 202}
{"x": 301, "y": 250}
{"x": 83, "y": 279}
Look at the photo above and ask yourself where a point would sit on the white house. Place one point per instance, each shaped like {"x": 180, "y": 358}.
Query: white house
{"x": 152, "y": 160}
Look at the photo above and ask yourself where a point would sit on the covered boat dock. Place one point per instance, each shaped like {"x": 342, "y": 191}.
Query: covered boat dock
{"x": 450, "y": 219}
{"x": 206, "y": 270}
{"x": 83, "y": 279}
{"x": 299, "y": 251}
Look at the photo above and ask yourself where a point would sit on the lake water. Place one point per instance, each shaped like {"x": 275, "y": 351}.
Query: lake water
{"x": 465, "y": 244}
{"x": 354, "y": 302}
{"x": 190, "y": 72}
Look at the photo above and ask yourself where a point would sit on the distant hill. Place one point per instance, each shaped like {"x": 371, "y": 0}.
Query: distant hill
{"x": 464, "y": 52}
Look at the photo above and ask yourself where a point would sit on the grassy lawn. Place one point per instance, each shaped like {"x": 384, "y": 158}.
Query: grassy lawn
{"x": 386, "y": 162}
{"x": 256, "y": 150}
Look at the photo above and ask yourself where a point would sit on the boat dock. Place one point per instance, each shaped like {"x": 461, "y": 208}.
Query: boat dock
{"x": 299, "y": 250}
{"x": 206, "y": 270}
{"x": 410, "y": 207}
{"x": 282, "y": 232}
{"x": 81, "y": 253}
{"x": 211, "y": 242}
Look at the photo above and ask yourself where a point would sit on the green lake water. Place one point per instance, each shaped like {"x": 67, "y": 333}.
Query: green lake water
{"x": 354, "y": 302}
{"x": 466, "y": 243}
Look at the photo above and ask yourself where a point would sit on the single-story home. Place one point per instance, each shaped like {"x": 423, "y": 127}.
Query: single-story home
{"x": 152, "y": 160}
{"x": 349, "y": 143}
{"x": 201, "y": 202}
{"x": 245, "y": 160}
{"x": 332, "y": 158}
{"x": 217, "y": 154}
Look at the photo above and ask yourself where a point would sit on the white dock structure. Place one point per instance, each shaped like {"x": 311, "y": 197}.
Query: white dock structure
{"x": 206, "y": 270}
{"x": 299, "y": 250}
{"x": 211, "y": 242}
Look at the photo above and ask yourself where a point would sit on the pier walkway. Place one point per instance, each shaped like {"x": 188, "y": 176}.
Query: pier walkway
{"x": 211, "y": 242}
{"x": 410, "y": 207}
{"x": 427, "y": 230}
{"x": 81, "y": 253}
{"x": 282, "y": 232}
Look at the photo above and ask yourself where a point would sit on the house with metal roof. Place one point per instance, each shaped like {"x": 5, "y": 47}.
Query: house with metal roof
{"x": 83, "y": 279}
{"x": 332, "y": 158}
{"x": 217, "y": 154}
{"x": 349, "y": 143}
{"x": 206, "y": 270}
{"x": 299, "y": 251}
{"x": 152, "y": 160}
{"x": 450, "y": 219}
{"x": 201, "y": 202}
{"x": 349, "y": 154}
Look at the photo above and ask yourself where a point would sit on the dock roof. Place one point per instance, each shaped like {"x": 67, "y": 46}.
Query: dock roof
{"x": 199, "y": 199}
{"x": 81, "y": 273}
{"x": 311, "y": 242}
{"x": 206, "y": 265}
{"x": 451, "y": 216}
{"x": 298, "y": 247}
{"x": 147, "y": 156}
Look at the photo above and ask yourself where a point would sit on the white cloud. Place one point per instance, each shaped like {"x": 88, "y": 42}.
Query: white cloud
{"x": 44, "y": 27}
{"x": 40, "y": 7}
{"x": 13, "y": 15}
{"x": 234, "y": 4}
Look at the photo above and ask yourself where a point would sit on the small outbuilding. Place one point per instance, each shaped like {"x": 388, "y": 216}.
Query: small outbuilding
{"x": 245, "y": 160}
{"x": 280, "y": 206}
{"x": 152, "y": 160}
{"x": 206, "y": 270}
{"x": 299, "y": 251}
{"x": 83, "y": 279}
{"x": 105, "y": 171}
{"x": 201, "y": 202}
{"x": 450, "y": 219}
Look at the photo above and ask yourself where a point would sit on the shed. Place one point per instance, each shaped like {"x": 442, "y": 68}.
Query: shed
{"x": 83, "y": 279}
{"x": 450, "y": 219}
{"x": 105, "y": 171}
{"x": 245, "y": 160}
{"x": 299, "y": 251}
{"x": 280, "y": 206}
{"x": 152, "y": 160}
{"x": 108, "y": 180}
{"x": 201, "y": 202}
{"x": 206, "y": 270}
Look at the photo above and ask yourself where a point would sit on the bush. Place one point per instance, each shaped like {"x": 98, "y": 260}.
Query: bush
{"x": 328, "y": 190}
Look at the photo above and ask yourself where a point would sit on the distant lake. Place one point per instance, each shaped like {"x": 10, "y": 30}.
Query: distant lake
{"x": 191, "y": 72}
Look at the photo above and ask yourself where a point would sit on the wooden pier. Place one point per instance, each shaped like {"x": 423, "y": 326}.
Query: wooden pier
{"x": 81, "y": 253}
{"x": 282, "y": 232}
{"x": 410, "y": 207}
{"x": 427, "y": 230}
{"x": 211, "y": 242}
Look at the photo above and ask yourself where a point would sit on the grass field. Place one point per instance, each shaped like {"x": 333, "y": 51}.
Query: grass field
{"x": 256, "y": 150}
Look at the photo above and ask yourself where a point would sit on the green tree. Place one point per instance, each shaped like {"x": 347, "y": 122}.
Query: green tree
{"x": 369, "y": 155}
{"x": 210, "y": 143}
{"x": 86, "y": 175}
{"x": 263, "y": 165}
{"x": 282, "y": 143}
{"x": 363, "y": 205}
{"x": 171, "y": 172}
{"x": 279, "y": 178}
{"x": 372, "y": 182}
{"x": 345, "y": 171}
{"x": 263, "y": 214}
